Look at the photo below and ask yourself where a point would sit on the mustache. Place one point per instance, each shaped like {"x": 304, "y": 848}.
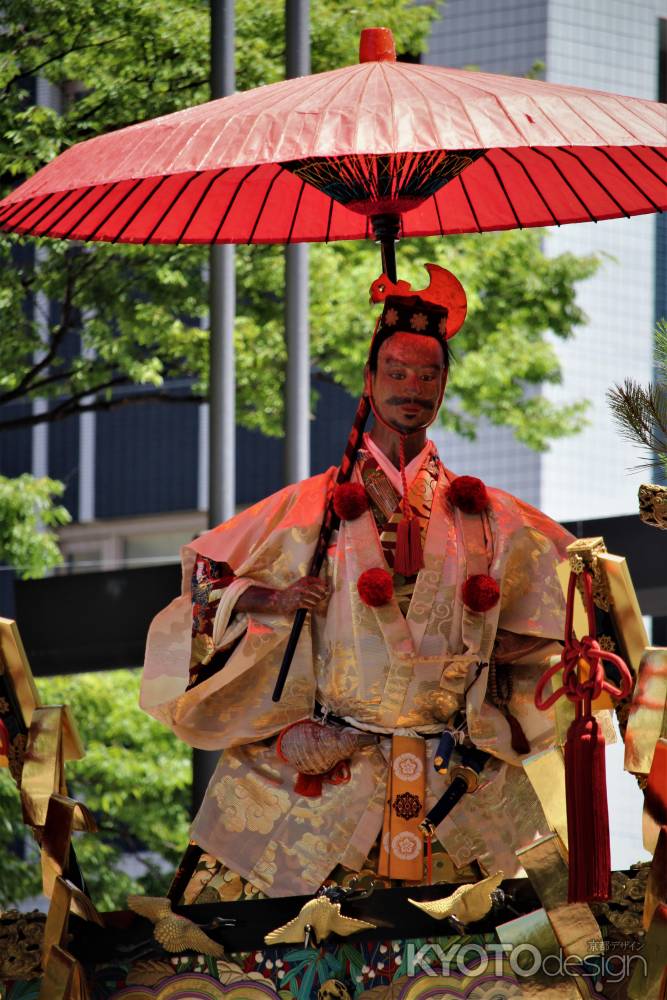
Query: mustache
{"x": 410, "y": 401}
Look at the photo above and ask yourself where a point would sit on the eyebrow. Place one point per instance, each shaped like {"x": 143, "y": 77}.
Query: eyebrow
{"x": 391, "y": 360}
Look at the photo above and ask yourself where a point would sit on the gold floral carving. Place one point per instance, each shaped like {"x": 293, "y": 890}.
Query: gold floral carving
{"x": 583, "y": 554}
{"x": 626, "y": 907}
{"x": 21, "y": 938}
{"x": 16, "y": 757}
{"x": 607, "y": 643}
{"x": 653, "y": 505}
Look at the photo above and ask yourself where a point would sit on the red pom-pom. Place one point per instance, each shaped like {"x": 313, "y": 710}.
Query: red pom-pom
{"x": 468, "y": 493}
{"x": 375, "y": 587}
{"x": 480, "y": 592}
{"x": 350, "y": 501}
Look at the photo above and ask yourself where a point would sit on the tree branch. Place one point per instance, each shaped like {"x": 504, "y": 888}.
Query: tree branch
{"x": 25, "y": 385}
{"x": 74, "y": 405}
{"x": 93, "y": 112}
{"x": 34, "y": 70}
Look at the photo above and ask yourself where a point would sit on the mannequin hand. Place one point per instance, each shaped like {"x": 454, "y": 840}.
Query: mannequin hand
{"x": 309, "y": 592}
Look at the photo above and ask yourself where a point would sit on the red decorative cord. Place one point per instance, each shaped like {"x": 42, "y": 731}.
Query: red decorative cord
{"x": 407, "y": 509}
{"x": 583, "y": 692}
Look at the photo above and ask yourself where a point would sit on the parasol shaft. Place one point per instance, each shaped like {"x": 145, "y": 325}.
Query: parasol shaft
{"x": 388, "y": 252}
{"x": 386, "y": 228}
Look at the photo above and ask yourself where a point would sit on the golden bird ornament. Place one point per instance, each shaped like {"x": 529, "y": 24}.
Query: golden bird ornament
{"x": 174, "y": 933}
{"x": 320, "y": 917}
{"x": 467, "y": 904}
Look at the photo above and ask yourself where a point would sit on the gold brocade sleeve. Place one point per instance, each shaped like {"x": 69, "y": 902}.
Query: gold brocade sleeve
{"x": 270, "y": 544}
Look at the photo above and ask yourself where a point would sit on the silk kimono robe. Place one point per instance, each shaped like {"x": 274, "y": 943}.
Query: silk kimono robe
{"x": 386, "y": 670}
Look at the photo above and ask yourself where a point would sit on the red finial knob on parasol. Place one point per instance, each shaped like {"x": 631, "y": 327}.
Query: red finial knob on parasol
{"x": 376, "y": 45}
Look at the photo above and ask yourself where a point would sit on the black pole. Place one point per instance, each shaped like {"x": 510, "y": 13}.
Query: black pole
{"x": 386, "y": 228}
{"x": 388, "y": 253}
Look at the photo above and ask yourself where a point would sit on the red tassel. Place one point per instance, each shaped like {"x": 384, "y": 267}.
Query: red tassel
{"x": 309, "y": 785}
{"x": 520, "y": 742}
{"x": 409, "y": 558}
{"x": 587, "y": 815}
{"x": 585, "y": 770}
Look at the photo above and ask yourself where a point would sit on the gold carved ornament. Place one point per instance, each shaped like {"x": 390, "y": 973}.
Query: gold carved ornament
{"x": 467, "y": 904}
{"x": 318, "y": 918}
{"x": 175, "y": 933}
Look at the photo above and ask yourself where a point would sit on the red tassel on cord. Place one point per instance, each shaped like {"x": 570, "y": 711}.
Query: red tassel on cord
{"x": 408, "y": 557}
{"x": 585, "y": 771}
{"x": 519, "y": 740}
{"x": 587, "y": 812}
{"x": 309, "y": 785}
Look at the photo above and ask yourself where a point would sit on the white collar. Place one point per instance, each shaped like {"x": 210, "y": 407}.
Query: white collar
{"x": 391, "y": 472}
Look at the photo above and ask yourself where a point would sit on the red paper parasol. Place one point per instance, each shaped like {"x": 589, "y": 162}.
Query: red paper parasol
{"x": 380, "y": 148}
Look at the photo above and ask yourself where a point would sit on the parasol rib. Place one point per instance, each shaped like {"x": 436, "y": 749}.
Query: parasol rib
{"x": 630, "y": 179}
{"x": 588, "y": 124}
{"x": 119, "y": 204}
{"x": 631, "y": 151}
{"x": 556, "y": 127}
{"x": 597, "y": 181}
{"x": 31, "y": 207}
{"x": 232, "y": 200}
{"x": 269, "y": 188}
{"x": 461, "y": 103}
{"x": 211, "y": 181}
{"x": 87, "y": 210}
{"x": 437, "y": 212}
{"x": 503, "y": 188}
{"x": 566, "y": 180}
{"x": 530, "y": 180}
{"x": 50, "y": 208}
{"x": 470, "y": 204}
{"x": 295, "y": 213}
{"x": 189, "y": 180}
{"x": 329, "y": 217}
{"x": 629, "y": 110}
{"x": 139, "y": 208}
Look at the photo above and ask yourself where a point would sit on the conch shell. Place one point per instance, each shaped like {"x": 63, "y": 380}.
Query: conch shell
{"x": 315, "y": 748}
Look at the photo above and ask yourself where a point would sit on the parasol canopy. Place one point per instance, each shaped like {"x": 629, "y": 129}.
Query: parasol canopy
{"x": 379, "y": 148}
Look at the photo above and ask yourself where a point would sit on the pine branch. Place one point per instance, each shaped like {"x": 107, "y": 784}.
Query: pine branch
{"x": 641, "y": 414}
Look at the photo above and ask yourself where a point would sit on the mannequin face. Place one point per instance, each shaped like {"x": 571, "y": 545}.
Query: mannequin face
{"x": 408, "y": 383}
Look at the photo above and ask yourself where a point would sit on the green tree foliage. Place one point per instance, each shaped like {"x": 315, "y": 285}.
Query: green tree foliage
{"x": 28, "y": 515}
{"x": 117, "y": 62}
{"x": 135, "y": 778}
